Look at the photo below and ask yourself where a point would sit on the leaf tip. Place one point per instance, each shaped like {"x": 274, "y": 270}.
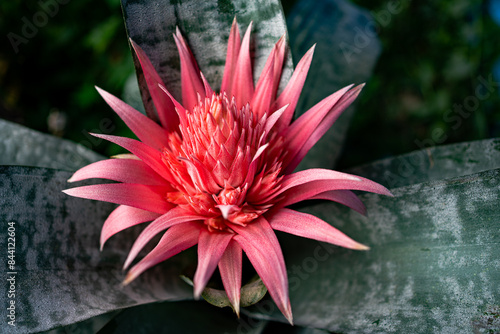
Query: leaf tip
{"x": 386, "y": 192}
{"x": 198, "y": 290}
{"x": 236, "y": 308}
{"x": 186, "y": 280}
{"x": 288, "y": 314}
{"x": 311, "y": 50}
{"x": 128, "y": 279}
{"x": 361, "y": 247}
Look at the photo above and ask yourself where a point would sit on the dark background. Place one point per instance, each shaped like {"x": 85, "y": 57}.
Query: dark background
{"x": 436, "y": 54}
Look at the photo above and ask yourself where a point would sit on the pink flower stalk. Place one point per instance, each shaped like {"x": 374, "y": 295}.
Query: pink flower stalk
{"x": 218, "y": 170}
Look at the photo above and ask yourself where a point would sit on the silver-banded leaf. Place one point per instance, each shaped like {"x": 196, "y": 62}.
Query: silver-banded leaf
{"x": 434, "y": 163}
{"x": 206, "y": 26}
{"x": 433, "y": 266}
{"x": 346, "y": 53}
{"x": 61, "y": 277}
{"x": 22, "y": 146}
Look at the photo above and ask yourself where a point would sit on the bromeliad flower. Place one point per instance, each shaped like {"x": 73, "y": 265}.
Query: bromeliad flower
{"x": 218, "y": 170}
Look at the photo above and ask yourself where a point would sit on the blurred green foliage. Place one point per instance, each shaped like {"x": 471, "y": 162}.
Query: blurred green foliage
{"x": 434, "y": 56}
{"x": 54, "y": 53}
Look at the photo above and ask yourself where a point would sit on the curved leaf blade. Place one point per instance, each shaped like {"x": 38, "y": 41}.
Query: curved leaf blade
{"x": 22, "y": 146}
{"x": 433, "y": 264}
{"x": 205, "y": 25}
{"x": 60, "y": 276}
{"x": 433, "y": 163}
{"x": 345, "y": 54}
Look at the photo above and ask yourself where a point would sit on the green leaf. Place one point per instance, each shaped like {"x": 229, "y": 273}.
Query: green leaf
{"x": 251, "y": 293}
{"x": 206, "y": 26}
{"x": 346, "y": 53}
{"x": 22, "y": 146}
{"x": 433, "y": 264}
{"x": 61, "y": 277}
{"x": 434, "y": 163}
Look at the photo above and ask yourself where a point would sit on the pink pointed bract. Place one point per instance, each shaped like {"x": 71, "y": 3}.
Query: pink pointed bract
{"x": 218, "y": 170}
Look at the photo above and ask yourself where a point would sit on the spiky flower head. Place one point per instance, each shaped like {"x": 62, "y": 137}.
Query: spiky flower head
{"x": 218, "y": 170}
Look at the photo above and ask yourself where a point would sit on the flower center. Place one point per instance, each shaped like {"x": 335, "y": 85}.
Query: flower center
{"x": 213, "y": 164}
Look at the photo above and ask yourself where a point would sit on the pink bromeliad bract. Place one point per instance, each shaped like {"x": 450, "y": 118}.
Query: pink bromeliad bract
{"x": 218, "y": 170}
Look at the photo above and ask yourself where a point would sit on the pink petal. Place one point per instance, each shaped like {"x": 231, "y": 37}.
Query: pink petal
{"x": 200, "y": 176}
{"x": 230, "y": 266}
{"x": 171, "y": 218}
{"x": 144, "y": 128}
{"x": 211, "y": 246}
{"x": 273, "y": 68}
{"x": 317, "y": 113}
{"x": 291, "y": 93}
{"x": 263, "y": 250}
{"x": 273, "y": 118}
{"x": 314, "y": 190}
{"x": 345, "y": 197}
{"x": 326, "y": 180}
{"x": 191, "y": 82}
{"x": 147, "y": 154}
{"x": 122, "y": 218}
{"x": 309, "y": 226}
{"x": 121, "y": 170}
{"x": 239, "y": 170}
{"x": 280, "y": 48}
{"x": 164, "y": 107}
{"x": 324, "y": 125}
{"x": 174, "y": 241}
{"x": 226, "y": 210}
{"x": 301, "y": 129}
{"x": 181, "y": 112}
{"x": 233, "y": 50}
{"x": 253, "y": 164}
{"x": 242, "y": 87}
{"x": 208, "y": 90}
{"x": 263, "y": 95}
{"x": 149, "y": 198}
